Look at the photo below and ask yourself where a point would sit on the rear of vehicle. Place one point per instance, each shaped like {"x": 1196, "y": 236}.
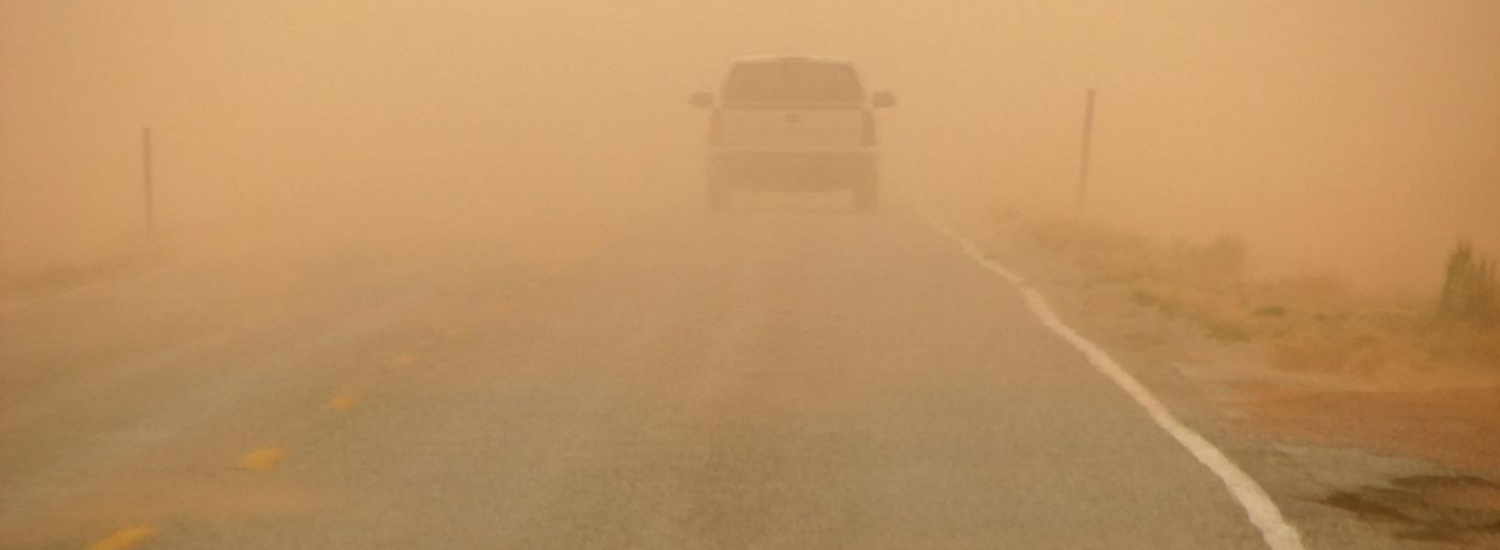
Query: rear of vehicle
{"x": 793, "y": 124}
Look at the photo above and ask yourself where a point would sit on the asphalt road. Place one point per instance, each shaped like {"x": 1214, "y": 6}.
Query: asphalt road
{"x": 767, "y": 379}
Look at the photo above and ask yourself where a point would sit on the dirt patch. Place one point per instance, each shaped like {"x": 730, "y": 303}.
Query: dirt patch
{"x": 1453, "y": 509}
{"x": 1452, "y": 428}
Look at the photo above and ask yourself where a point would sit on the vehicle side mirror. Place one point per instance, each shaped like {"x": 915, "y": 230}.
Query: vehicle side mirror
{"x": 885, "y": 100}
{"x": 703, "y": 100}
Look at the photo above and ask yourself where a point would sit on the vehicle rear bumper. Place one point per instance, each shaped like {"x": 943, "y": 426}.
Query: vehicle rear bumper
{"x": 782, "y": 170}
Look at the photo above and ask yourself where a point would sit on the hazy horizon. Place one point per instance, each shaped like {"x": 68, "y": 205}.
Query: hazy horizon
{"x": 1358, "y": 137}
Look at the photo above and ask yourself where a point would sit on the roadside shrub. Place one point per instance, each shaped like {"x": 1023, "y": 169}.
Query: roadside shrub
{"x": 1228, "y": 330}
{"x": 1145, "y": 298}
{"x": 1469, "y": 289}
{"x": 1270, "y": 311}
{"x": 1316, "y": 292}
{"x": 1222, "y": 259}
{"x": 1104, "y": 255}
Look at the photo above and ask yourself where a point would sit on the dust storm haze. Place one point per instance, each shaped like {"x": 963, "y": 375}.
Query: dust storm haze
{"x": 472, "y": 274}
{"x": 1356, "y": 136}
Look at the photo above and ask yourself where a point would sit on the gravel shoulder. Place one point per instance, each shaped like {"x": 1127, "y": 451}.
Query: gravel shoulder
{"x": 1394, "y": 457}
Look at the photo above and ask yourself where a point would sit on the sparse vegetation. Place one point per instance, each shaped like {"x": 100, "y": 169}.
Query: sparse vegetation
{"x": 1469, "y": 290}
{"x": 1222, "y": 259}
{"x": 1270, "y": 311}
{"x": 1307, "y": 323}
{"x": 1198, "y": 282}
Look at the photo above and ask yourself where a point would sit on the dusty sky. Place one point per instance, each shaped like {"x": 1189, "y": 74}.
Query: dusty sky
{"x": 1357, "y": 136}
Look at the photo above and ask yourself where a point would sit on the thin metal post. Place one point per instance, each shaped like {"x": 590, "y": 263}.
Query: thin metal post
{"x": 149, "y": 192}
{"x": 1088, "y": 143}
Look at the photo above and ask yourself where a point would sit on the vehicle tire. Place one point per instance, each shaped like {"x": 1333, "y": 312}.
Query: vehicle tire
{"x": 866, "y": 196}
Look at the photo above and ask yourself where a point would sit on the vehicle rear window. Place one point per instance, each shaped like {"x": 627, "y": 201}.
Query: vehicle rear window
{"x": 793, "y": 82}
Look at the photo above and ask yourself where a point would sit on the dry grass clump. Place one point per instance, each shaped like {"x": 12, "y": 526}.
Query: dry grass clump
{"x": 1110, "y": 255}
{"x": 1360, "y": 347}
{"x": 1468, "y": 346}
{"x": 1222, "y": 314}
{"x": 1105, "y": 255}
{"x": 1322, "y": 295}
{"x": 1310, "y": 323}
{"x": 1346, "y": 345}
{"x": 1222, "y": 259}
{"x": 1199, "y": 282}
{"x": 1462, "y": 337}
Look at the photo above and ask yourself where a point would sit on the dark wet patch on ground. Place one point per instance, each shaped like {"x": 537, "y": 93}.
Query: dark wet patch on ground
{"x": 1446, "y": 509}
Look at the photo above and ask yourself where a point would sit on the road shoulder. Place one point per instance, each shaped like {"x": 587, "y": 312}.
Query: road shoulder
{"x": 1325, "y": 452}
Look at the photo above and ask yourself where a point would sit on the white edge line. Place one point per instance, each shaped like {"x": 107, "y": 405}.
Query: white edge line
{"x": 1262, "y": 511}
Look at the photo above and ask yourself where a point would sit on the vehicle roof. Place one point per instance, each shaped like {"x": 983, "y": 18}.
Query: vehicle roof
{"x": 796, "y": 58}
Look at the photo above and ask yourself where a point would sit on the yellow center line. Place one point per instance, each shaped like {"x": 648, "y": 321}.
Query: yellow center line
{"x": 262, "y": 460}
{"x": 344, "y": 402}
{"x": 125, "y": 539}
{"x": 404, "y": 360}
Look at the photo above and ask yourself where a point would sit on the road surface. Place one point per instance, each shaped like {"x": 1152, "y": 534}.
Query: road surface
{"x": 780, "y": 378}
